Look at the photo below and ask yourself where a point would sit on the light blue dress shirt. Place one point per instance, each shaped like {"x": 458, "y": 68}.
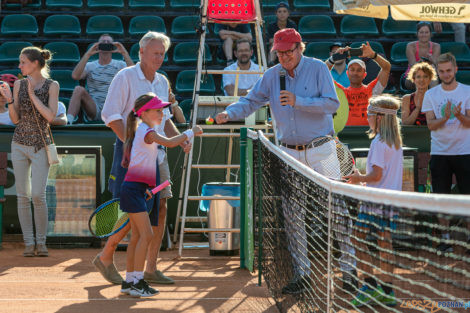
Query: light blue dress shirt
{"x": 312, "y": 114}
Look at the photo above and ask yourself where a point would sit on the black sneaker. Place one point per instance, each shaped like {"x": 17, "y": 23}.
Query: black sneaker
{"x": 142, "y": 289}
{"x": 350, "y": 281}
{"x": 445, "y": 247}
{"x": 296, "y": 286}
{"x": 126, "y": 287}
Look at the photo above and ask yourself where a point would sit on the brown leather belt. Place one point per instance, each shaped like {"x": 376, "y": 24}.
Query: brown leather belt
{"x": 298, "y": 147}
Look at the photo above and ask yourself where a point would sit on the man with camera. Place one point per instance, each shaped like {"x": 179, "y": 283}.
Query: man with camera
{"x": 99, "y": 75}
{"x": 340, "y": 67}
{"x": 357, "y": 93}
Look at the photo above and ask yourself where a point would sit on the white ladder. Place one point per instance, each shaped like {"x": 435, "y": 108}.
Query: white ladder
{"x": 220, "y": 102}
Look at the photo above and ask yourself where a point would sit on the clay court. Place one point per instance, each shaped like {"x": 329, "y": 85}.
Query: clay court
{"x": 66, "y": 281}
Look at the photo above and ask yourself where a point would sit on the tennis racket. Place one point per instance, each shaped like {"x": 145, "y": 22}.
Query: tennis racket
{"x": 108, "y": 218}
{"x": 339, "y": 161}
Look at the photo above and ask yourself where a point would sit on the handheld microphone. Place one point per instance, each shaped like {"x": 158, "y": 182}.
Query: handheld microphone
{"x": 282, "y": 78}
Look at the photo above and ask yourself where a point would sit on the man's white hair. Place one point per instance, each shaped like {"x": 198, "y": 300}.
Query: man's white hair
{"x": 149, "y": 36}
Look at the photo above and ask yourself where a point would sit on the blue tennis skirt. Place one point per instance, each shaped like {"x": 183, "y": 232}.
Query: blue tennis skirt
{"x": 132, "y": 200}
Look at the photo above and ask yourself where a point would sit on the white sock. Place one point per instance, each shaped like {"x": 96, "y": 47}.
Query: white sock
{"x": 138, "y": 276}
{"x": 130, "y": 277}
{"x": 446, "y": 236}
{"x": 70, "y": 118}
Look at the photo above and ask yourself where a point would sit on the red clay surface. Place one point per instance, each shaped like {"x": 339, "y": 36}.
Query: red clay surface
{"x": 67, "y": 282}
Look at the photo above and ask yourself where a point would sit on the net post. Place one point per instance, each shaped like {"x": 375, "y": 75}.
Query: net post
{"x": 243, "y": 186}
{"x": 260, "y": 213}
{"x": 329, "y": 277}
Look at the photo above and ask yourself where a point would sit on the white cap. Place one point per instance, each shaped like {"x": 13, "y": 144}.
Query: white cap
{"x": 357, "y": 61}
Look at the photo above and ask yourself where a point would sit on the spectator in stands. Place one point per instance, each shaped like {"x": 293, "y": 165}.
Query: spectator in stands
{"x": 303, "y": 111}
{"x": 339, "y": 68}
{"x": 422, "y": 50}
{"x": 243, "y": 53}
{"x": 357, "y": 93}
{"x": 282, "y": 21}
{"x": 32, "y": 107}
{"x": 98, "y": 75}
{"x": 421, "y": 74}
{"x": 447, "y": 109}
{"x": 229, "y": 33}
{"x": 459, "y": 30}
{"x": 126, "y": 87}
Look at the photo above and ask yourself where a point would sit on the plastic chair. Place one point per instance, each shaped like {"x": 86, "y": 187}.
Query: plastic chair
{"x": 459, "y": 49}
{"x": 139, "y": 25}
{"x": 10, "y": 51}
{"x": 33, "y": 4}
{"x": 62, "y": 24}
{"x": 317, "y": 25}
{"x": 184, "y": 26}
{"x": 106, "y": 4}
{"x": 65, "y": 52}
{"x": 447, "y": 31}
{"x": 403, "y": 89}
{"x": 312, "y": 4}
{"x": 269, "y": 4}
{"x": 13, "y": 71}
{"x": 64, "y": 77}
{"x": 185, "y": 82}
{"x": 352, "y": 26}
{"x": 375, "y": 45}
{"x": 186, "y": 106}
{"x": 65, "y": 101}
{"x": 392, "y": 28}
{"x": 143, "y": 4}
{"x": 134, "y": 54}
{"x": 463, "y": 76}
{"x": 398, "y": 53}
{"x": 104, "y": 24}
{"x": 185, "y": 53}
{"x": 184, "y": 4}
{"x": 19, "y": 24}
{"x": 268, "y": 19}
{"x": 319, "y": 50}
{"x": 64, "y": 3}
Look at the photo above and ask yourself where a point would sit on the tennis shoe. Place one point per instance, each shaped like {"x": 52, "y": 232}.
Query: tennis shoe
{"x": 28, "y": 251}
{"x": 142, "y": 290}
{"x": 126, "y": 287}
{"x": 158, "y": 277}
{"x": 296, "y": 286}
{"x": 350, "y": 281}
{"x": 366, "y": 295}
{"x": 445, "y": 247}
{"x": 109, "y": 272}
{"x": 41, "y": 250}
{"x": 389, "y": 299}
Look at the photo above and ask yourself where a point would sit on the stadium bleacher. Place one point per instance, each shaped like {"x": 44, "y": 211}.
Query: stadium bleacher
{"x": 68, "y": 27}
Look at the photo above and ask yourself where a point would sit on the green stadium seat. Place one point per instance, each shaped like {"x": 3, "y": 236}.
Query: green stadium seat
{"x": 186, "y": 53}
{"x": 134, "y": 54}
{"x": 375, "y": 45}
{"x": 447, "y": 31}
{"x": 352, "y": 26}
{"x": 10, "y": 51}
{"x": 312, "y": 4}
{"x": 65, "y": 101}
{"x": 143, "y": 4}
{"x": 317, "y": 25}
{"x": 319, "y": 50}
{"x": 184, "y": 26}
{"x": 64, "y": 77}
{"x": 269, "y": 4}
{"x": 463, "y": 76}
{"x": 53, "y": 4}
{"x": 184, "y": 4}
{"x": 106, "y": 4}
{"x": 398, "y": 53}
{"x": 403, "y": 88}
{"x": 32, "y": 4}
{"x": 459, "y": 49}
{"x": 19, "y": 24}
{"x": 393, "y": 28}
{"x": 13, "y": 71}
{"x": 139, "y": 25}
{"x": 62, "y": 24}
{"x": 186, "y": 106}
{"x": 115, "y": 56}
{"x": 104, "y": 24}
{"x": 268, "y": 19}
{"x": 163, "y": 73}
{"x": 63, "y": 52}
{"x": 185, "y": 83}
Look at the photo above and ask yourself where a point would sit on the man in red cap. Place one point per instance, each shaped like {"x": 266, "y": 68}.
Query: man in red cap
{"x": 302, "y": 98}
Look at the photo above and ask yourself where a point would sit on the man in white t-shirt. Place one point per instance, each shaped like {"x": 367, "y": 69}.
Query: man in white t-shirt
{"x": 243, "y": 51}
{"x": 447, "y": 109}
{"x": 126, "y": 87}
{"x": 98, "y": 75}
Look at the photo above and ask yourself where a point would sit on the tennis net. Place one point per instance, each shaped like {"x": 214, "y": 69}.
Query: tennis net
{"x": 316, "y": 238}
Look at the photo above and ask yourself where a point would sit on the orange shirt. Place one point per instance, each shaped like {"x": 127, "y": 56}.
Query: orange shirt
{"x": 358, "y": 100}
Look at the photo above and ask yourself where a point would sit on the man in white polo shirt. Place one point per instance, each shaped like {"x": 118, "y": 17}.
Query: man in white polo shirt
{"x": 243, "y": 52}
{"x": 126, "y": 87}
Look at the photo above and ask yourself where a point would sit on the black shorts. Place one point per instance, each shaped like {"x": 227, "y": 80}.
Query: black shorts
{"x": 133, "y": 197}
{"x": 444, "y": 166}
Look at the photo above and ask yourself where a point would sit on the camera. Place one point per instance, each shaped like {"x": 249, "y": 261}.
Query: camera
{"x": 106, "y": 47}
{"x": 353, "y": 52}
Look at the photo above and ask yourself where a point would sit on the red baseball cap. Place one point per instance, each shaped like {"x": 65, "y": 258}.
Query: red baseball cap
{"x": 284, "y": 38}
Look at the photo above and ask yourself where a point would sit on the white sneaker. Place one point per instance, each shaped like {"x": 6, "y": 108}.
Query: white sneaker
{"x": 142, "y": 289}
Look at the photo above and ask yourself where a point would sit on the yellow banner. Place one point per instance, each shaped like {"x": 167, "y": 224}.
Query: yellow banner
{"x": 436, "y": 12}
{"x": 369, "y": 11}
